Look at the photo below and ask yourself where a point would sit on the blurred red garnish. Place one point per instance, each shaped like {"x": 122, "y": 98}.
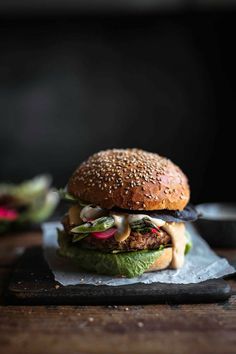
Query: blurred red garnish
{"x": 154, "y": 231}
{"x": 8, "y": 214}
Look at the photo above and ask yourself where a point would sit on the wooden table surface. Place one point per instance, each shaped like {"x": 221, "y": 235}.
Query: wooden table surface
{"x": 203, "y": 328}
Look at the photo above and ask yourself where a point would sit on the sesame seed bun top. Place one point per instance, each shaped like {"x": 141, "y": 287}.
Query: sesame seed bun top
{"x": 130, "y": 179}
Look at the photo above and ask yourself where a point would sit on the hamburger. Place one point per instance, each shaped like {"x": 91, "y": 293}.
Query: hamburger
{"x": 127, "y": 214}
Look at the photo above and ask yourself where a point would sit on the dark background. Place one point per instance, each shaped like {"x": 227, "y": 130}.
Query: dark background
{"x": 75, "y": 82}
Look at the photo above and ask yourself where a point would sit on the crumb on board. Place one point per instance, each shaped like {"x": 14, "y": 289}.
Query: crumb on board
{"x": 140, "y": 324}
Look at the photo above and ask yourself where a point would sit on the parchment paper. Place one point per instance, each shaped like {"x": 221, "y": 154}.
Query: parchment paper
{"x": 200, "y": 264}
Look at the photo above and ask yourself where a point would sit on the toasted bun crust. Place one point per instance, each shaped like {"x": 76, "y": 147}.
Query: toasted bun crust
{"x": 163, "y": 261}
{"x": 130, "y": 179}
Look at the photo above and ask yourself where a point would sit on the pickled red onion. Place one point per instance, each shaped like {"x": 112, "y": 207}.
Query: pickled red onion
{"x": 104, "y": 234}
{"x": 8, "y": 214}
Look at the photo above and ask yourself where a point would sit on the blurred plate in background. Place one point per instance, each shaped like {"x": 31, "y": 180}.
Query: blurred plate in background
{"x": 217, "y": 223}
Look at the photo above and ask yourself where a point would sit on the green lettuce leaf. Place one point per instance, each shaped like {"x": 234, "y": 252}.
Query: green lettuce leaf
{"x": 63, "y": 194}
{"x": 79, "y": 237}
{"x": 41, "y": 210}
{"x": 33, "y": 199}
{"x": 189, "y": 243}
{"x": 129, "y": 264}
{"x": 27, "y": 191}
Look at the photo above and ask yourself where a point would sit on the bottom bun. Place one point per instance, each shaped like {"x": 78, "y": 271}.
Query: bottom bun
{"x": 162, "y": 262}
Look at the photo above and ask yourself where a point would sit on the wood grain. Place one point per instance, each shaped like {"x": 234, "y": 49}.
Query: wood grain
{"x": 135, "y": 329}
{"x": 198, "y": 328}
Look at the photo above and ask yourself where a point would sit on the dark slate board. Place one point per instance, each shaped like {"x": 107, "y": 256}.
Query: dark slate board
{"x": 32, "y": 282}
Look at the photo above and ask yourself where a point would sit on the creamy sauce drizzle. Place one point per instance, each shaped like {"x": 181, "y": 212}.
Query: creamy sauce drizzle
{"x": 137, "y": 217}
{"x": 175, "y": 230}
{"x": 119, "y": 220}
{"x": 89, "y": 213}
{"x": 177, "y": 234}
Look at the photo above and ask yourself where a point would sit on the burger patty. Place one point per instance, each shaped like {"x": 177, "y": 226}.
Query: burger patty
{"x": 135, "y": 241}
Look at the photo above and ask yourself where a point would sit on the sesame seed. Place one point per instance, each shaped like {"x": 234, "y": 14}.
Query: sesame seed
{"x": 126, "y": 169}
